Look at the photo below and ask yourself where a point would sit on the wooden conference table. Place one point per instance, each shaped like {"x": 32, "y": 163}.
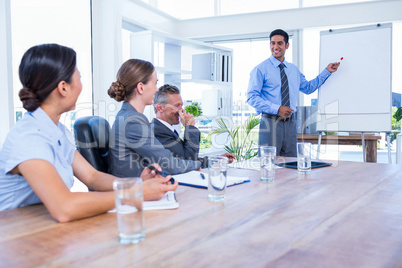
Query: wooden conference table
{"x": 369, "y": 140}
{"x": 346, "y": 215}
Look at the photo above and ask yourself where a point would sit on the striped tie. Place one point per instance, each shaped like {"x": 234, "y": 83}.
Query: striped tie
{"x": 284, "y": 87}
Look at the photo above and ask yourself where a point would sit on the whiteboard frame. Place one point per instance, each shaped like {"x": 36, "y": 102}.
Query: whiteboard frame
{"x": 346, "y": 122}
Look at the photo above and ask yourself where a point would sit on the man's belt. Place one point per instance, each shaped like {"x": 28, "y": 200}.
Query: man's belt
{"x": 277, "y": 117}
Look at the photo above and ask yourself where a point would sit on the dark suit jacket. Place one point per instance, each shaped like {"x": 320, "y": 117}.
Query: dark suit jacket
{"x": 185, "y": 149}
{"x": 133, "y": 146}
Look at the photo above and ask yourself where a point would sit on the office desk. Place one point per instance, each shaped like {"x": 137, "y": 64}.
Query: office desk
{"x": 369, "y": 140}
{"x": 346, "y": 215}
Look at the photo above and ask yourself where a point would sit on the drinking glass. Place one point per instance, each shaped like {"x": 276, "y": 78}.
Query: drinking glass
{"x": 129, "y": 210}
{"x": 217, "y": 178}
{"x": 304, "y": 157}
{"x": 267, "y": 163}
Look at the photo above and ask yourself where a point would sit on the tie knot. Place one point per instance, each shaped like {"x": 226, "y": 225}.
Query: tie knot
{"x": 281, "y": 66}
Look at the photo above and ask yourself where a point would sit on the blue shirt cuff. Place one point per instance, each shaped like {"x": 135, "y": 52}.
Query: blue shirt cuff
{"x": 325, "y": 73}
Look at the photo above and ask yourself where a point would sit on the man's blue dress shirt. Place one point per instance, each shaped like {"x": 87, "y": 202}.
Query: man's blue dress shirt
{"x": 264, "y": 89}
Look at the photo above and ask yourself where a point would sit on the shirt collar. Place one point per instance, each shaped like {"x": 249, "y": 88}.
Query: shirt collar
{"x": 42, "y": 116}
{"x": 169, "y": 126}
{"x": 276, "y": 62}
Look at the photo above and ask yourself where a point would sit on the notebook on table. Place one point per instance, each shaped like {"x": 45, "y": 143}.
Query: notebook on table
{"x": 168, "y": 201}
{"x": 314, "y": 164}
{"x": 200, "y": 179}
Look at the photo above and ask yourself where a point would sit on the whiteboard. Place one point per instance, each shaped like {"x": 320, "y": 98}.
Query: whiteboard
{"x": 358, "y": 96}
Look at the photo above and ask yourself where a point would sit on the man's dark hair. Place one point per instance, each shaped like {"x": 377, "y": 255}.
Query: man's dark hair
{"x": 161, "y": 96}
{"x": 280, "y": 32}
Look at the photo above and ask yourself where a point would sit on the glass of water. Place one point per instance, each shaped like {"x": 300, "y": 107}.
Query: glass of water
{"x": 304, "y": 157}
{"x": 129, "y": 210}
{"x": 267, "y": 163}
{"x": 217, "y": 178}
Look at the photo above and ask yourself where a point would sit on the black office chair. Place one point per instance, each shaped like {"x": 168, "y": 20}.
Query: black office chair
{"x": 92, "y": 140}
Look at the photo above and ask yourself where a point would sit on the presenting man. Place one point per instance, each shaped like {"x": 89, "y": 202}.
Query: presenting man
{"x": 169, "y": 111}
{"x": 274, "y": 90}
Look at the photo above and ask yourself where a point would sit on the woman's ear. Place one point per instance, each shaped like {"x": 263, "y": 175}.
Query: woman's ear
{"x": 62, "y": 88}
{"x": 140, "y": 88}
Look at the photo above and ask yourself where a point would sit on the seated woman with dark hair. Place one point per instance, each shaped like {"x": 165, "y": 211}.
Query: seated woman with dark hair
{"x": 38, "y": 160}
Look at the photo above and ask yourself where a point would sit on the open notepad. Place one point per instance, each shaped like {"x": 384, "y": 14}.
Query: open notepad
{"x": 200, "y": 179}
{"x": 168, "y": 201}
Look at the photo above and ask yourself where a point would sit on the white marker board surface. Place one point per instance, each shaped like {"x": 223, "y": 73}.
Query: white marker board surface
{"x": 358, "y": 96}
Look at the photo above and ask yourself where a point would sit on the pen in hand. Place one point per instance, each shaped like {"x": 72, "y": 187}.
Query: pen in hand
{"x": 164, "y": 174}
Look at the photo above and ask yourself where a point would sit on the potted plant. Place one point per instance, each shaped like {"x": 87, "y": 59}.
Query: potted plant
{"x": 194, "y": 109}
{"x": 241, "y": 141}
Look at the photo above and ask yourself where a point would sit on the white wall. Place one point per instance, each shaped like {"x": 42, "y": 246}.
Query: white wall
{"x": 6, "y": 79}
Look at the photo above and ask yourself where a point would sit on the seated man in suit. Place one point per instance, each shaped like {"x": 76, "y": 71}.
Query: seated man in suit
{"x": 169, "y": 111}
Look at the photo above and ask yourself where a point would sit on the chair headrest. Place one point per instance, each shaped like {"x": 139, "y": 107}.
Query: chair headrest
{"x": 92, "y": 140}
{"x": 100, "y": 129}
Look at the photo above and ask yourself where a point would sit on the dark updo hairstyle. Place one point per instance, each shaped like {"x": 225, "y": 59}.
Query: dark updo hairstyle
{"x": 42, "y": 68}
{"x": 131, "y": 73}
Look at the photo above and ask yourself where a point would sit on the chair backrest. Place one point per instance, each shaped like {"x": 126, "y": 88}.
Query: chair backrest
{"x": 92, "y": 140}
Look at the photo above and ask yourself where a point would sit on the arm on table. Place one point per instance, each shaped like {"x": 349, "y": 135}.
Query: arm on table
{"x": 65, "y": 206}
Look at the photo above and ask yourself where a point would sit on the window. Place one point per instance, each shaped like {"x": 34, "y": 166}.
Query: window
{"x": 311, "y": 61}
{"x": 65, "y": 22}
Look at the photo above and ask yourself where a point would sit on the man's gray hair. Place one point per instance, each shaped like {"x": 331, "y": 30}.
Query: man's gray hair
{"x": 161, "y": 96}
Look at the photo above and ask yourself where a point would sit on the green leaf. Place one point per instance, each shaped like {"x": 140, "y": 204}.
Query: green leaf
{"x": 222, "y": 128}
{"x": 251, "y": 123}
{"x": 398, "y": 114}
{"x": 194, "y": 109}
